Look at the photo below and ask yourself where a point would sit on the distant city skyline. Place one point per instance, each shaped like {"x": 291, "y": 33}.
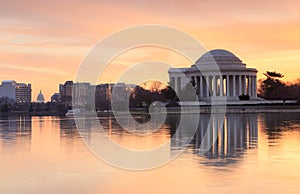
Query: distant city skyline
{"x": 43, "y": 43}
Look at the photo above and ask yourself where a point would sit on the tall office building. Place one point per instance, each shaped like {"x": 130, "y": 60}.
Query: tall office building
{"x": 65, "y": 91}
{"x": 23, "y": 93}
{"x": 19, "y": 92}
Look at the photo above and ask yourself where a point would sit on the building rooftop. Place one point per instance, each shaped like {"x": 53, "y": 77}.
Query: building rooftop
{"x": 220, "y": 57}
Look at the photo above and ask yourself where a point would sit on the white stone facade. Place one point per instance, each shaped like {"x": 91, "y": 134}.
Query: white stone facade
{"x": 217, "y": 74}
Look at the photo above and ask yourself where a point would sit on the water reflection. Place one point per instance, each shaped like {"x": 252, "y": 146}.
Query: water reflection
{"x": 222, "y": 139}
{"x": 68, "y": 128}
{"x": 275, "y": 124}
{"x": 15, "y": 133}
{"x": 252, "y": 152}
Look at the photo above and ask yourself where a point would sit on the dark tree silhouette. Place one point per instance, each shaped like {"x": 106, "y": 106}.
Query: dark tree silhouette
{"x": 169, "y": 94}
{"x": 273, "y": 74}
{"x": 272, "y": 88}
{"x": 6, "y": 104}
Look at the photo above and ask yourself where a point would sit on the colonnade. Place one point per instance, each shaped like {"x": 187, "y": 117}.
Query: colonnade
{"x": 221, "y": 85}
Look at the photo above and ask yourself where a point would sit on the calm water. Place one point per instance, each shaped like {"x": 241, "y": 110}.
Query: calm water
{"x": 253, "y": 153}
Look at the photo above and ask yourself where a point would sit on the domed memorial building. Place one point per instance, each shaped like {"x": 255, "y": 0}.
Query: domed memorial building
{"x": 217, "y": 74}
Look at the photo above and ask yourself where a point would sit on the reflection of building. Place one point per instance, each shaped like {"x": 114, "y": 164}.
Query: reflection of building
{"x": 16, "y": 133}
{"x": 238, "y": 133}
{"x": 224, "y": 138}
{"x": 217, "y": 74}
{"x": 19, "y": 92}
{"x": 40, "y": 97}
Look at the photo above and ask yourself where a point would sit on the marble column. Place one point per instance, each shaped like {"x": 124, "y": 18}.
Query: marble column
{"x": 240, "y": 85}
{"x": 234, "y": 85}
{"x": 244, "y": 85}
{"x": 221, "y": 86}
{"x": 227, "y": 85}
{"x": 249, "y": 85}
{"x": 214, "y": 86}
{"x": 253, "y": 87}
{"x": 201, "y": 86}
{"x": 207, "y": 86}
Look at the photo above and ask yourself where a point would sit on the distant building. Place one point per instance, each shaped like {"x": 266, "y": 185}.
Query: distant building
{"x": 56, "y": 97}
{"x": 19, "y": 92}
{"x": 8, "y": 89}
{"x": 81, "y": 90}
{"x": 103, "y": 92}
{"x": 23, "y": 93}
{"x": 119, "y": 91}
{"x": 65, "y": 91}
{"x": 40, "y": 97}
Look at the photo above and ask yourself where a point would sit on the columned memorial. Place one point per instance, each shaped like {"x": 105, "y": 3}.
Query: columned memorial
{"x": 217, "y": 74}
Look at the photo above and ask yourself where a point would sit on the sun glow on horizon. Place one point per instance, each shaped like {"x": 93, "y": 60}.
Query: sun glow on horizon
{"x": 44, "y": 43}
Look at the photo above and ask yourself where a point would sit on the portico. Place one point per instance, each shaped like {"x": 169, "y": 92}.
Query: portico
{"x": 217, "y": 74}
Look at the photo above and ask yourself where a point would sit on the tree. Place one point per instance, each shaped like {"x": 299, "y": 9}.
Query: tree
{"x": 156, "y": 86}
{"x": 272, "y": 88}
{"x": 169, "y": 94}
{"x": 140, "y": 95}
{"x": 188, "y": 93}
{"x": 273, "y": 74}
{"x": 6, "y": 104}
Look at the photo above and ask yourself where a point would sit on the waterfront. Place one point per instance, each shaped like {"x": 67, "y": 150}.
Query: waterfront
{"x": 254, "y": 153}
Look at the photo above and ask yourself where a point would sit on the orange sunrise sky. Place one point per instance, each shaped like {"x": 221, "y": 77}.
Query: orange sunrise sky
{"x": 44, "y": 42}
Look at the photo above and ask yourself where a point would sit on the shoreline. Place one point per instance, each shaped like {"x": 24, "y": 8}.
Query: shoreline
{"x": 254, "y": 108}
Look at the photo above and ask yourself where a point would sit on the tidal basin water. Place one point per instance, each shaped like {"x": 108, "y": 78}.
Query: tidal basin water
{"x": 253, "y": 153}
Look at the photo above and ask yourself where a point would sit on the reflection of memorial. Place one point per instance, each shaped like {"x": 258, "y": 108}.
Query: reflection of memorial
{"x": 219, "y": 137}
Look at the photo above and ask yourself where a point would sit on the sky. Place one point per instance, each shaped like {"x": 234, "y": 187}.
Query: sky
{"x": 45, "y": 42}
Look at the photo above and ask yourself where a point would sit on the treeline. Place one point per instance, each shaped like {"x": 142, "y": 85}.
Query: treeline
{"x": 8, "y": 105}
{"x": 273, "y": 88}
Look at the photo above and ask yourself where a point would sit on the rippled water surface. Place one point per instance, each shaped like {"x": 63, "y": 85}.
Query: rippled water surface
{"x": 238, "y": 153}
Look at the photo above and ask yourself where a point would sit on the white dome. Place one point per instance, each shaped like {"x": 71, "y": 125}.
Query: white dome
{"x": 40, "y": 97}
{"x": 220, "y": 56}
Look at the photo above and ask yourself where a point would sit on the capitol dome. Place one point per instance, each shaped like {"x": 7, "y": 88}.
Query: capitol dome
{"x": 220, "y": 57}
{"x": 40, "y": 97}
